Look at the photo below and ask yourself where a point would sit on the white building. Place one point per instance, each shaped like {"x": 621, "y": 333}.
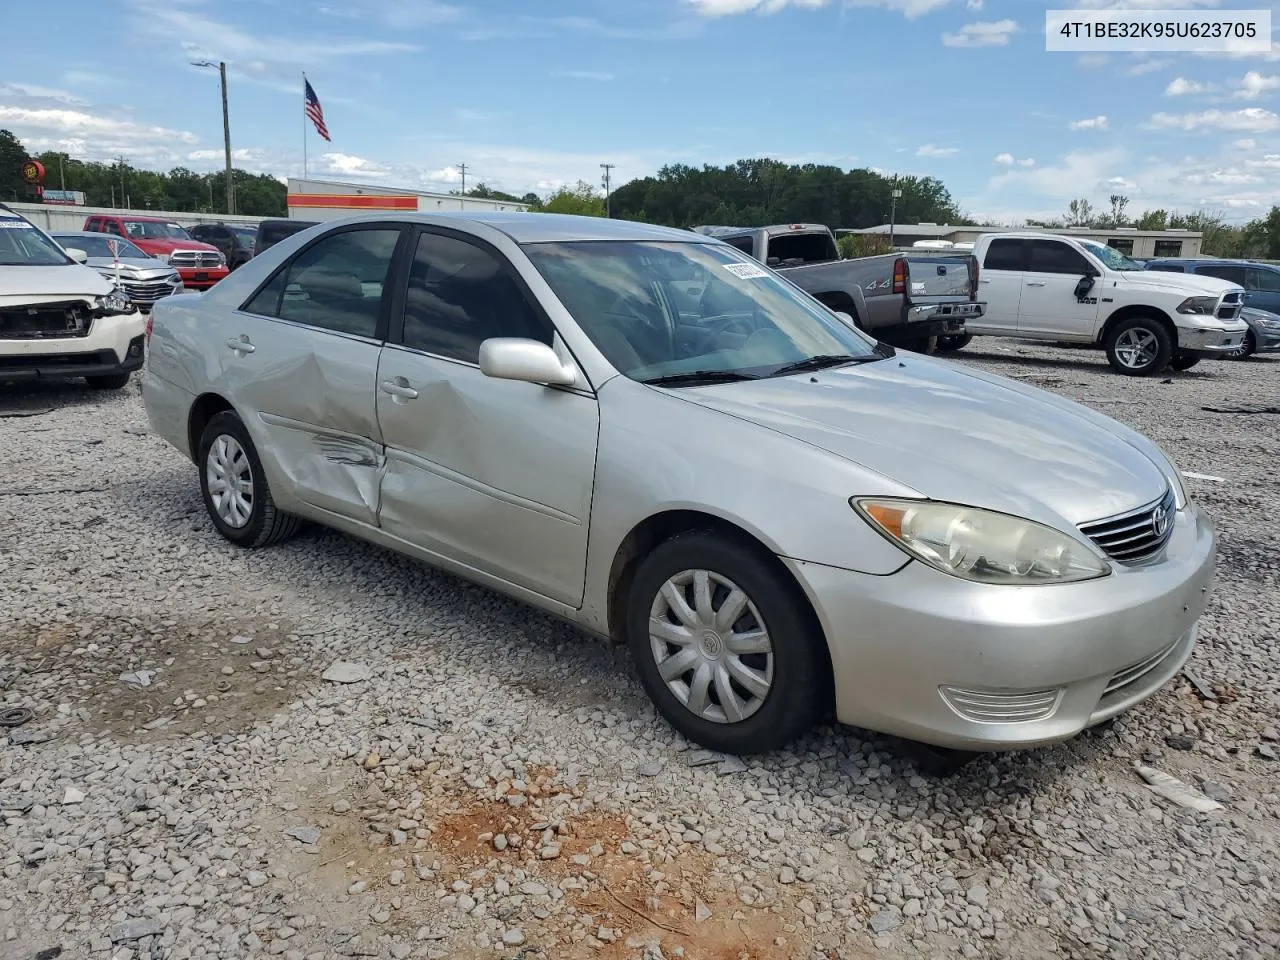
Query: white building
{"x": 332, "y": 200}
{"x": 1129, "y": 241}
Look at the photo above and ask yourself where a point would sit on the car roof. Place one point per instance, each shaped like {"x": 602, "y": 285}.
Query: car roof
{"x": 545, "y": 227}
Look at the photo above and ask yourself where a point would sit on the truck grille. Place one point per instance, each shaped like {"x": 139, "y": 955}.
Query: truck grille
{"x": 195, "y": 258}
{"x": 1136, "y": 535}
{"x": 149, "y": 291}
{"x": 45, "y": 321}
{"x": 1231, "y": 306}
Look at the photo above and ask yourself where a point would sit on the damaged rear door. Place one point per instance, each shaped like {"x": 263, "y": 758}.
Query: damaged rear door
{"x": 494, "y": 474}
{"x": 301, "y": 363}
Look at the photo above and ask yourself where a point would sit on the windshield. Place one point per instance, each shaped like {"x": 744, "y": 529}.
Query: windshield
{"x": 1110, "y": 256}
{"x": 22, "y": 245}
{"x": 666, "y": 309}
{"x": 155, "y": 230}
{"x": 98, "y": 245}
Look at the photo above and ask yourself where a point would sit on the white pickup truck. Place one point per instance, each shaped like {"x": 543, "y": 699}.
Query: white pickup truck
{"x": 1067, "y": 289}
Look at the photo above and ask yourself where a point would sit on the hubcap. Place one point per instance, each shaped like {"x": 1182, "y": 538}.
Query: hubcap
{"x": 1137, "y": 348}
{"x": 230, "y": 481}
{"x": 711, "y": 646}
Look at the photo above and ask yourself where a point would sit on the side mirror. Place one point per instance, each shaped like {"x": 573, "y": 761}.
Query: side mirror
{"x": 516, "y": 358}
{"x": 1083, "y": 287}
{"x": 76, "y": 254}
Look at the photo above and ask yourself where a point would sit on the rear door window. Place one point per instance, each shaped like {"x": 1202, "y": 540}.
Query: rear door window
{"x": 1230, "y": 274}
{"x": 1004, "y": 255}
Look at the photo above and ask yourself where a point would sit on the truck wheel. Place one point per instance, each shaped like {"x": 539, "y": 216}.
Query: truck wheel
{"x": 1246, "y": 349}
{"x": 1184, "y": 361}
{"x": 1139, "y": 347}
{"x": 925, "y": 345}
{"x": 956, "y": 342}
{"x": 113, "y": 381}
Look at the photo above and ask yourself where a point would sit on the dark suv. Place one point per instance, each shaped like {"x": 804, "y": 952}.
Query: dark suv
{"x": 235, "y": 241}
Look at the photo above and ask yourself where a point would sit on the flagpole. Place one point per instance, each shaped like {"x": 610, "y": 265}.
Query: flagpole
{"x": 304, "y": 132}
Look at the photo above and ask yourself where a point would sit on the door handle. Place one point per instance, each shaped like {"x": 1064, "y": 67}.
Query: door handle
{"x": 240, "y": 344}
{"x": 1035, "y": 283}
{"x": 398, "y": 389}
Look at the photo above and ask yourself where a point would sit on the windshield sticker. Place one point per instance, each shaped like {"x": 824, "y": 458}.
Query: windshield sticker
{"x": 746, "y": 271}
{"x": 7, "y": 224}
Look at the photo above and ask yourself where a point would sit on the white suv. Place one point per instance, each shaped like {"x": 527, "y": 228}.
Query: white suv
{"x": 58, "y": 318}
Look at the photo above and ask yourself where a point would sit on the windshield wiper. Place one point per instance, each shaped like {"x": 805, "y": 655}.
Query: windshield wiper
{"x": 820, "y": 362}
{"x": 695, "y": 377}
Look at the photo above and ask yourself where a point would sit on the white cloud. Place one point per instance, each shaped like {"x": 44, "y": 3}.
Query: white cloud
{"x": 238, "y": 156}
{"x": 31, "y": 92}
{"x": 974, "y": 4}
{"x": 1141, "y": 4}
{"x": 1092, "y": 123}
{"x": 1270, "y": 56}
{"x": 1254, "y": 84}
{"x": 1009, "y": 160}
{"x": 929, "y": 150}
{"x": 1120, "y": 183}
{"x": 1079, "y": 173}
{"x": 1143, "y": 67}
{"x": 81, "y": 124}
{"x": 398, "y": 14}
{"x": 911, "y": 9}
{"x": 1248, "y": 120}
{"x": 1092, "y": 61}
{"x": 982, "y": 34}
{"x": 583, "y": 75}
{"x": 1181, "y": 87}
{"x": 472, "y": 116}
{"x": 1248, "y": 143}
{"x": 1006, "y": 159}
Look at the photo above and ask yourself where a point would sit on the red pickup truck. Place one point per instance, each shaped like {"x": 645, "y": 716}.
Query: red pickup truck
{"x": 200, "y": 265}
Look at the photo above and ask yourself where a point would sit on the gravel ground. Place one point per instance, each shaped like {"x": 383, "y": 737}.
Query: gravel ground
{"x": 498, "y": 786}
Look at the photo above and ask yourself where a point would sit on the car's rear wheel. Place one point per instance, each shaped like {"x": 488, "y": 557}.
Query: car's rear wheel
{"x": 725, "y": 645}
{"x": 1247, "y": 347}
{"x": 1183, "y": 361}
{"x": 1139, "y": 347}
{"x": 234, "y": 486}
{"x": 115, "y": 381}
{"x": 947, "y": 344}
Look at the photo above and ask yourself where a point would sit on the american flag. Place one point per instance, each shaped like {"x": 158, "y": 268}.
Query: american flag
{"x": 312, "y": 108}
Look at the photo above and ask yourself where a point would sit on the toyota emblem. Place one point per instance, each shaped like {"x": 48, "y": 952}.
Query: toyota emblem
{"x": 1160, "y": 520}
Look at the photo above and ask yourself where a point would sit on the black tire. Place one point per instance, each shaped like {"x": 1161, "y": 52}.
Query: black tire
{"x": 799, "y": 693}
{"x": 947, "y": 344}
{"x": 266, "y": 524}
{"x": 1183, "y": 361}
{"x": 1247, "y": 347}
{"x": 925, "y": 345}
{"x": 1144, "y": 327}
{"x": 114, "y": 381}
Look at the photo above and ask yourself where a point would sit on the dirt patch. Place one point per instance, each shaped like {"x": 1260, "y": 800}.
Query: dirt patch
{"x": 156, "y": 677}
{"x": 575, "y": 878}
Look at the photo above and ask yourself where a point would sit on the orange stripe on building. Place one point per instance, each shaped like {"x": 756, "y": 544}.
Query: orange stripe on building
{"x": 353, "y": 201}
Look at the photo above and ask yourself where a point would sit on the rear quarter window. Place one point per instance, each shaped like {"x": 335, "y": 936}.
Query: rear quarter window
{"x": 1003, "y": 255}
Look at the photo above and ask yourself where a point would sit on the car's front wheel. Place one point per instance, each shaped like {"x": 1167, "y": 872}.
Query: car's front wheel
{"x": 234, "y": 486}
{"x": 1247, "y": 347}
{"x": 725, "y": 645}
{"x": 1139, "y": 347}
{"x": 115, "y": 381}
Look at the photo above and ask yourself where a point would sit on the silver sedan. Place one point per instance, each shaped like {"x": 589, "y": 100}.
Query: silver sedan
{"x": 645, "y": 432}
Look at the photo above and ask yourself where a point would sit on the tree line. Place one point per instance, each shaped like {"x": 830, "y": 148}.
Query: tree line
{"x": 752, "y": 192}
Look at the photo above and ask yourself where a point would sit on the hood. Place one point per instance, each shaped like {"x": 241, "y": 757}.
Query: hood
{"x": 132, "y": 266}
{"x": 24, "y": 285}
{"x": 1192, "y": 283}
{"x": 954, "y": 437}
{"x": 167, "y": 245}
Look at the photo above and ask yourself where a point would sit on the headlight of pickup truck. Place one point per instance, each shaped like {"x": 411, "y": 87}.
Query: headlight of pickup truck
{"x": 1199, "y": 306}
{"x": 981, "y": 545}
{"x": 113, "y": 303}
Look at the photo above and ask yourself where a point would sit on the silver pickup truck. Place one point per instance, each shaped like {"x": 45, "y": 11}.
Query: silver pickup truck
{"x": 903, "y": 299}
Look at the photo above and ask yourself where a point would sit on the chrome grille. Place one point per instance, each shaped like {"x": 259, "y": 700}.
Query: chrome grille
{"x": 148, "y": 291}
{"x": 195, "y": 258}
{"x": 996, "y": 706}
{"x": 1231, "y": 305}
{"x": 1136, "y": 535}
{"x": 1131, "y": 675}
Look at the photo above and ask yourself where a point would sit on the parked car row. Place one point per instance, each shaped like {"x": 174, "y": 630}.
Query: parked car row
{"x": 652, "y": 434}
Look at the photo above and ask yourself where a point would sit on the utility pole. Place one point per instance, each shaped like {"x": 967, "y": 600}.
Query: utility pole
{"x": 226, "y": 128}
{"x": 462, "y": 168}
{"x": 123, "y": 198}
{"x": 62, "y": 177}
{"x": 606, "y": 167}
{"x": 894, "y": 197}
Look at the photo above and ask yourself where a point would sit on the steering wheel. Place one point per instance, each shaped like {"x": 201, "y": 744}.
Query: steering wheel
{"x": 723, "y": 324}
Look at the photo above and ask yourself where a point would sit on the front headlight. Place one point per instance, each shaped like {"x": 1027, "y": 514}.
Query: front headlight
{"x": 1199, "y": 306}
{"x": 113, "y": 303}
{"x": 981, "y": 545}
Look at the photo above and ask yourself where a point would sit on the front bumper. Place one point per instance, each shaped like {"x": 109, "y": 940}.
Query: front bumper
{"x": 1212, "y": 341}
{"x": 113, "y": 345}
{"x": 201, "y": 278}
{"x": 933, "y": 658}
{"x": 1266, "y": 339}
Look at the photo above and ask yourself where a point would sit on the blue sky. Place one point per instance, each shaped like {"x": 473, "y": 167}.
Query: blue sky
{"x": 962, "y": 90}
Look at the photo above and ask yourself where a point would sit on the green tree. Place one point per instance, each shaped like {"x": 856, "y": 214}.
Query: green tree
{"x": 863, "y": 245}
{"x": 580, "y": 199}
{"x": 12, "y": 156}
